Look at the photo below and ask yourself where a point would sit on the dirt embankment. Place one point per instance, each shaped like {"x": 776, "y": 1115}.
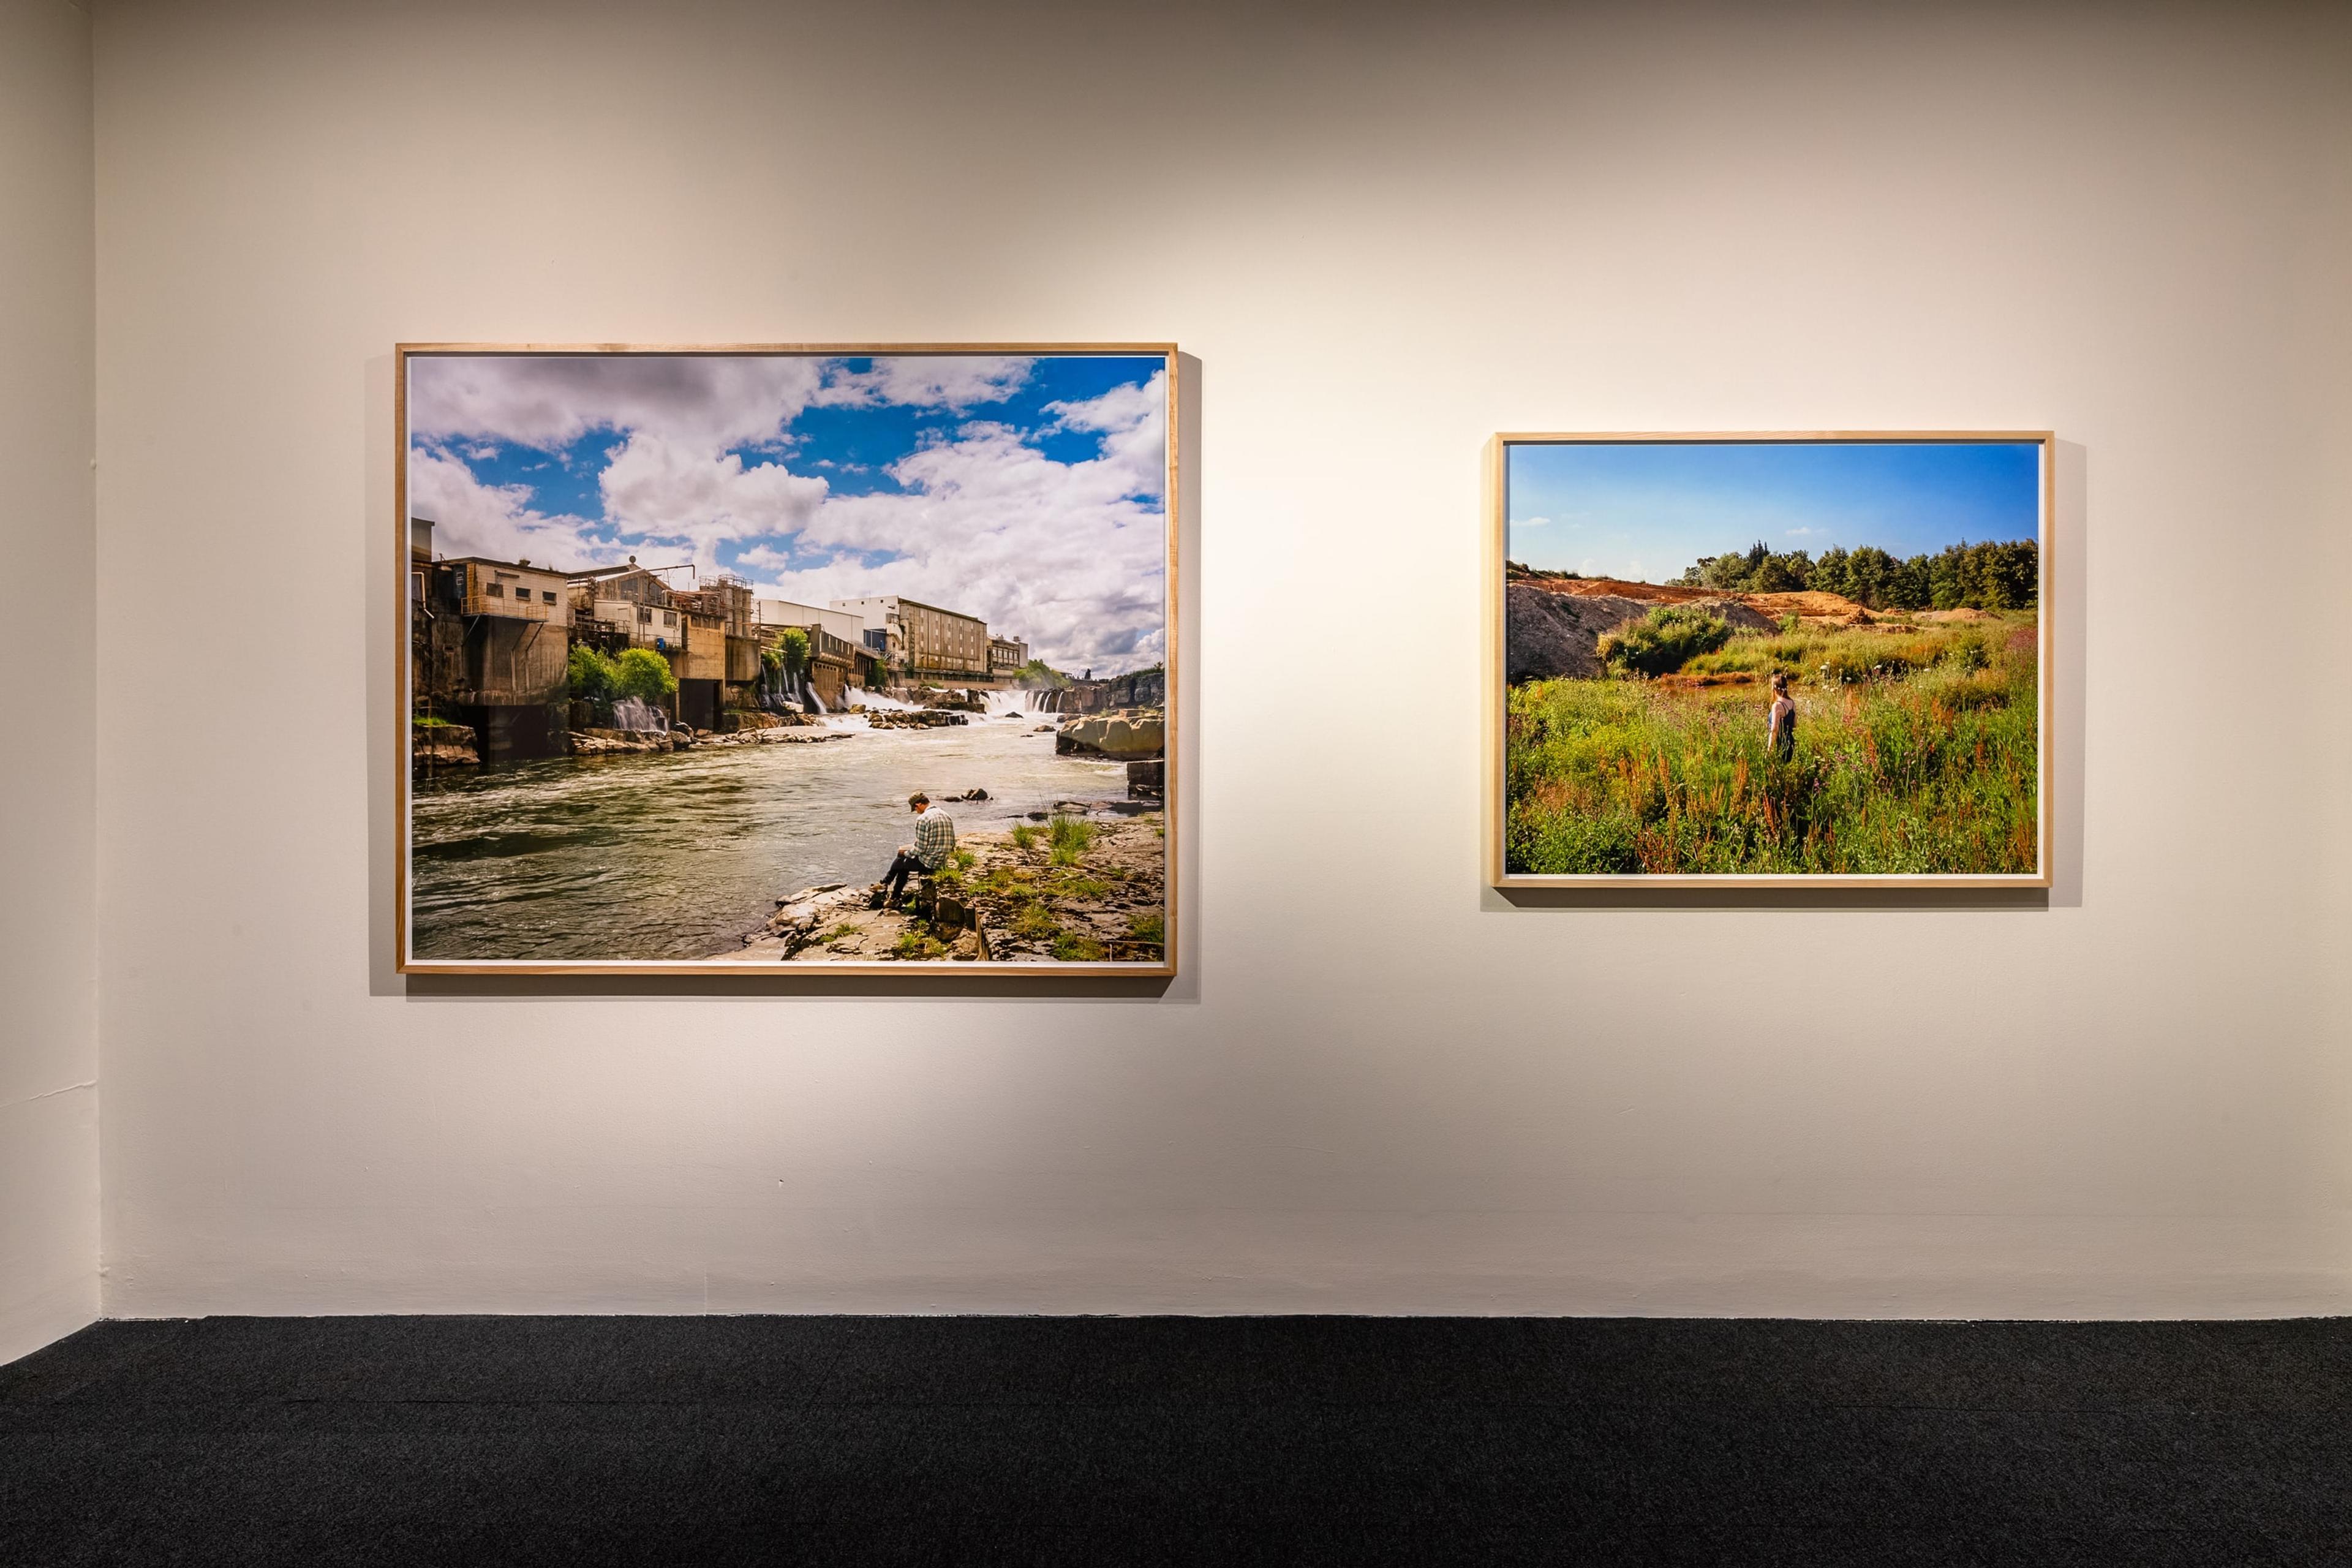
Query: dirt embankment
{"x": 1549, "y": 633}
{"x": 1806, "y": 603}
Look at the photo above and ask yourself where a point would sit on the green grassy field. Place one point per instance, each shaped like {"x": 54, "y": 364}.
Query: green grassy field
{"x": 1916, "y": 753}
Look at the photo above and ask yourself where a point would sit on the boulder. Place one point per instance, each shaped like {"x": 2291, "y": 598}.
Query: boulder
{"x": 1124, "y": 735}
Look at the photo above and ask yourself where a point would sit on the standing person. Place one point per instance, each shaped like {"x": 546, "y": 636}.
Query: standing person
{"x": 1781, "y": 720}
{"x": 934, "y": 842}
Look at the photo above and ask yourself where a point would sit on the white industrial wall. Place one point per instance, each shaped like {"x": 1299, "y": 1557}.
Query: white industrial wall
{"x": 48, "y": 551}
{"x": 1384, "y": 234}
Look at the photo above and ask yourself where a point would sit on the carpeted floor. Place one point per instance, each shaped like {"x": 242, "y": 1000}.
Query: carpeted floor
{"x": 1107, "y": 1440}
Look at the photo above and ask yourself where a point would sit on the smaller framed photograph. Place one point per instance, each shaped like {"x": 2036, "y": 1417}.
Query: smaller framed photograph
{"x": 1809, "y": 659}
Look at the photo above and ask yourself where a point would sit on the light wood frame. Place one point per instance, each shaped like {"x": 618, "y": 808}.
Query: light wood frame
{"x": 1492, "y": 708}
{"x": 926, "y": 974}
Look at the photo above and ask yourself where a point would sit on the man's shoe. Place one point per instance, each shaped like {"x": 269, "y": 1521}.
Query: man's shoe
{"x": 877, "y": 900}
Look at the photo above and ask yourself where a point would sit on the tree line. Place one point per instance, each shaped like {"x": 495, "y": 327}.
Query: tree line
{"x": 1986, "y": 576}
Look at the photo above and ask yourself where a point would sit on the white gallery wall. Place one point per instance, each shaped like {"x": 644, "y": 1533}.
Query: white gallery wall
{"x": 48, "y": 820}
{"x": 1385, "y": 235}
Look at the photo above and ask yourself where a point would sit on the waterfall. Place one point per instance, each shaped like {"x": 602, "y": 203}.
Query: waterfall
{"x": 866, "y": 698}
{"x": 813, "y": 701}
{"x": 635, "y": 713}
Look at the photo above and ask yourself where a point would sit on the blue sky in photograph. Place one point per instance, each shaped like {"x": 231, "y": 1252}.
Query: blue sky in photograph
{"x": 1028, "y": 490}
{"x": 1646, "y": 511}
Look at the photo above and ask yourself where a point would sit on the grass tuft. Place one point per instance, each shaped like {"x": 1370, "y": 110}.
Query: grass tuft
{"x": 1072, "y": 836}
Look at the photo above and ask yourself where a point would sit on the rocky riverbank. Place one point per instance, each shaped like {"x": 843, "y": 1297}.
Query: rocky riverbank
{"x": 1089, "y": 883}
{"x": 913, "y": 719}
{"x": 441, "y": 745}
{"x": 620, "y": 742}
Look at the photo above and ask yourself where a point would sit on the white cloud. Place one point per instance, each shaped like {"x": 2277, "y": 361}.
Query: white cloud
{"x": 950, "y": 381}
{"x": 497, "y": 520}
{"x": 1070, "y": 557}
{"x": 1799, "y": 530}
{"x": 549, "y": 401}
{"x": 1533, "y": 522}
{"x": 665, "y": 490}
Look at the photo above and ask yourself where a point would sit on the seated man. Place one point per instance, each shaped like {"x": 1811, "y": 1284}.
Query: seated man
{"x": 934, "y": 842}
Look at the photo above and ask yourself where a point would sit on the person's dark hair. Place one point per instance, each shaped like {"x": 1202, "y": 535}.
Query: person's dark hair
{"x": 1780, "y": 681}
{"x": 918, "y": 798}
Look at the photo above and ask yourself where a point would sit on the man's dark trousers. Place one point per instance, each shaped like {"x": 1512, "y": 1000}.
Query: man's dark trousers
{"x": 894, "y": 881}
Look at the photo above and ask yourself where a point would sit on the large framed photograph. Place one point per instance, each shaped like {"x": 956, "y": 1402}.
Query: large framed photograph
{"x": 785, "y": 659}
{"x": 1816, "y": 659}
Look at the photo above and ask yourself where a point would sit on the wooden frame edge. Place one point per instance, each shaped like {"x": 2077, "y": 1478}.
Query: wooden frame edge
{"x": 1496, "y": 690}
{"x": 932, "y": 973}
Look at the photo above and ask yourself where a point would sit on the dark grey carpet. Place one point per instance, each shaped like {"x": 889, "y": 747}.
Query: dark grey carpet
{"x": 1094, "y": 1440}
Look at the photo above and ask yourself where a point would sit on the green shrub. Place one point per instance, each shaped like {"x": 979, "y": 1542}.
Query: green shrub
{"x": 1026, "y": 835}
{"x": 1038, "y": 676}
{"x": 792, "y": 649}
{"x": 1145, "y": 928}
{"x": 1664, "y": 640}
{"x": 590, "y": 674}
{"x": 643, "y": 674}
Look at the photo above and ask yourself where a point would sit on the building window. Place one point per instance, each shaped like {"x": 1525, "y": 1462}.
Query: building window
{"x": 495, "y": 590}
{"x": 644, "y": 616}
{"x": 669, "y": 617}
{"x": 548, "y": 595}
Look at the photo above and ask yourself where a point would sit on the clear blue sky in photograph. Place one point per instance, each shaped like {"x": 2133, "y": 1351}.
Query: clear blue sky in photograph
{"x": 1644, "y": 511}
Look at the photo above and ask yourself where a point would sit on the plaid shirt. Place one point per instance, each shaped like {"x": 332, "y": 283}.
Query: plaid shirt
{"x": 934, "y": 837}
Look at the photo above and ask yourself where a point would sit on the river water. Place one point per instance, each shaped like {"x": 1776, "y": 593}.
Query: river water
{"x": 678, "y": 854}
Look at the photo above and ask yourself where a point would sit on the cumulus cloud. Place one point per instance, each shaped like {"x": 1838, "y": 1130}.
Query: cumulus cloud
{"x": 475, "y": 519}
{"x": 549, "y": 401}
{"x": 1067, "y": 555}
{"x": 948, "y": 380}
{"x": 1070, "y": 557}
{"x": 664, "y": 489}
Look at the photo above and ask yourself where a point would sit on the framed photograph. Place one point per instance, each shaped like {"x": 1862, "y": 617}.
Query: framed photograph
{"x": 787, "y": 657}
{"x": 1815, "y": 660}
